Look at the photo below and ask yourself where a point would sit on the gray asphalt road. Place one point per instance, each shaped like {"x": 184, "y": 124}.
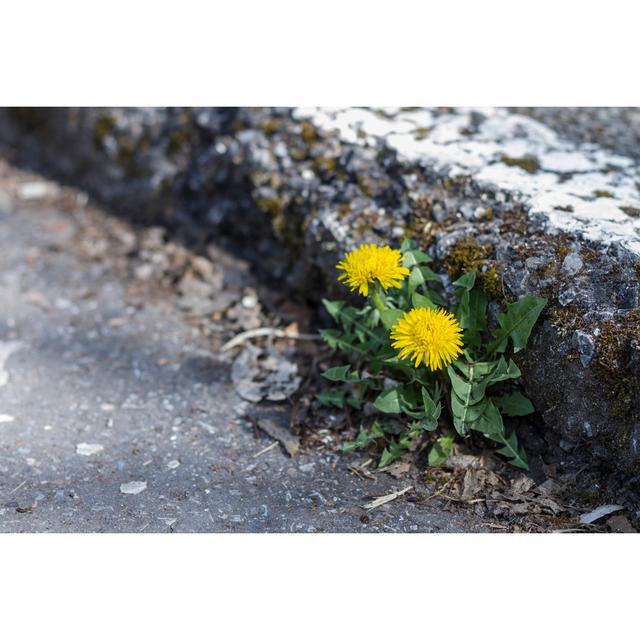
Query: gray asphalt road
{"x": 116, "y": 416}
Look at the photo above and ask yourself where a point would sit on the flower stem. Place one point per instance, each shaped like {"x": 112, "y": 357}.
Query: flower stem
{"x": 377, "y": 300}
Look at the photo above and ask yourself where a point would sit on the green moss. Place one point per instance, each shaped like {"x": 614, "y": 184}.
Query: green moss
{"x": 270, "y": 125}
{"x": 566, "y": 319}
{"x": 326, "y": 164}
{"x": 591, "y": 498}
{"x": 372, "y": 187}
{"x": 422, "y": 132}
{"x": 299, "y": 153}
{"x": 308, "y": 133}
{"x": 273, "y": 206}
{"x": 103, "y": 126}
{"x": 529, "y": 163}
{"x": 466, "y": 255}
{"x": 588, "y": 254}
{"x": 562, "y": 251}
{"x": 491, "y": 283}
{"x": 343, "y": 211}
{"x": 455, "y": 183}
{"x": 631, "y": 211}
{"x": 280, "y": 227}
{"x": 622, "y": 396}
{"x": 515, "y": 220}
{"x": 126, "y": 156}
{"x": 614, "y": 340}
{"x": 568, "y": 208}
{"x": 603, "y": 194}
{"x": 637, "y": 270}
{"x": 178, "y": 139}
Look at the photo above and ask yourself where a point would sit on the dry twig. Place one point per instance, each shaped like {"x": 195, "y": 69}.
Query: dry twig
{"x": 263, "y": 332}
{"x": 268, "y": 448}
{"x": 378, "y": 502}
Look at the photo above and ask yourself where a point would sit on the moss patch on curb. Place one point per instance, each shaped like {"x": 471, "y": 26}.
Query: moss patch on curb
{"x": 530, "y": 164}
{"x": 468, "y": 255}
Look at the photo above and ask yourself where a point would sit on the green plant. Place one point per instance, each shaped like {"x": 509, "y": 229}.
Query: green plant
{"x": 411, "y": 354}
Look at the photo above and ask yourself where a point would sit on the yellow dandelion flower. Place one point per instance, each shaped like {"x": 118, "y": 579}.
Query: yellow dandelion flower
{"x": 429, "y": 336}
{"x": 370, "y": 263}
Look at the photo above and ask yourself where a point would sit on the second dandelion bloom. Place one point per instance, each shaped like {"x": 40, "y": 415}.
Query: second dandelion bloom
{"x": 370, "y": 264}
{"x": 427, "y": 335}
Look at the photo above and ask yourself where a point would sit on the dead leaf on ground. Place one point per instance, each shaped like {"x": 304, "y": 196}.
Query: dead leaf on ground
{"x": 470, "y": 484}
{"x": 522, "y": 484}
{"x": 260, "y": 375}
{"x": 288, "y": 440}
{"x": 398, "y": 469}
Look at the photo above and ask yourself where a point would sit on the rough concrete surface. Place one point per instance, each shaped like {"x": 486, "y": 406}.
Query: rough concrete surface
{"x": 117, "y": 416}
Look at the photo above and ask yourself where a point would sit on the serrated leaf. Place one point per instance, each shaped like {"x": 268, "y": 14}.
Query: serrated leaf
{"x": 466, "y": 281}
{"x": 340, "y": 374}
{"x": 420, "y": 276}
{"x": 336, "y": 340}
{"x": 331, "y": 399}
{"x": 420, "y": 301}
{"x": 514, "y": 404}
{"x": 351, "y": 320}
{"x": 489, "y": 423}
{"x": 426, "y": 423}
{"x": 472, "y": 315}
{"x": 391, "y": 453}
{"x": 440, "y": 451}
{"x": 431, "y": 407}
{"x": 390, "y": 317}
{"x": 465, "y": 412}
{"x": 388, "y": 401}
{"x": 437, "y": 298}
{"x": 365, "y": 437}
{"x": 504, "y": 371}
{"x": 515, "y": 455}
{"x": 333, "y": 307}
{"x": 469, "y": 391}
{"x": 480, "y": 368}
{"x": 517, "y": 323}
{"x": 407, "y": 245}
{"x": 414, "y": 257}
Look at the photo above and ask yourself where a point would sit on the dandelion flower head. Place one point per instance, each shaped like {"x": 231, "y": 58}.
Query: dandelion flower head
{"x": 427, "y": 335}
{"x": 369, "y": 264}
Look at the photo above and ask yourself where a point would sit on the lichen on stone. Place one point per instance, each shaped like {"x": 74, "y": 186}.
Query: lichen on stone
{"x": 530, "y": 164}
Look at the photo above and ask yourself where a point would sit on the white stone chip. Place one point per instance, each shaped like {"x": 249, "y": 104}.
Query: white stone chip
{"x": 173, "y": 464}
{"x": 85, "y": 449}
{"x": 134, "y": 487}
{"x": 36, "y": 190}
{"x": 6, "y": 418}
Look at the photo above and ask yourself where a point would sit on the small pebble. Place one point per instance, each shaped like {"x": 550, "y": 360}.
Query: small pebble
{"x": 134, "y": 487}
{"x": 85, "y": 449}
{"x": 249, "y": 302}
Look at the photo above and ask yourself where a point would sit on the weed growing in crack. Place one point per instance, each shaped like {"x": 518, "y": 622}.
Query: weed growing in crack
{"x": 410, "y": 353}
